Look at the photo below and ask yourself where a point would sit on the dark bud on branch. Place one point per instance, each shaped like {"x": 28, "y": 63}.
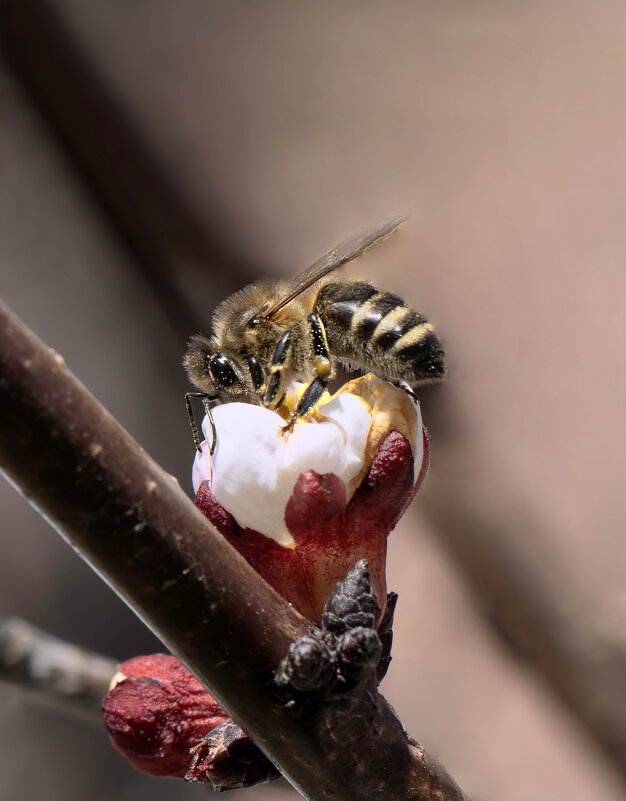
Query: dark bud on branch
{"x": 347, "y": 650}
{"x": 309, "y": 665}
{"x": 352, "y": 604}
{"x": 385, "y": 632}
{"x": 228, "y": 759}
{"x": 358, "y": 653}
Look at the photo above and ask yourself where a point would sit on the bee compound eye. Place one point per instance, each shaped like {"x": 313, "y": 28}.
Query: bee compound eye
{"x": 222, "y": 370}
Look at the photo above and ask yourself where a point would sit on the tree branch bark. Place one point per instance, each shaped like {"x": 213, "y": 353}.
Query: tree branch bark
{"x": 134, "y": 525}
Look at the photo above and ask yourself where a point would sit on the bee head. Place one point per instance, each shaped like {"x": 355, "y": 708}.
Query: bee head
{"x": 218, "y": 374}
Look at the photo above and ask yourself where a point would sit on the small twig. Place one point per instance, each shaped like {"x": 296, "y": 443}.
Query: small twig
{"x": 52, "y": 671}
{"x": 131, "y": 521}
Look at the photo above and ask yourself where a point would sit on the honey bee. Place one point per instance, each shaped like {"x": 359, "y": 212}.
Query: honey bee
{"x": 272, "y": 333}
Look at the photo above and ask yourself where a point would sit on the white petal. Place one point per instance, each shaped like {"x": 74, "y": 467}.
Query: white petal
{"x": 255, "y": 466}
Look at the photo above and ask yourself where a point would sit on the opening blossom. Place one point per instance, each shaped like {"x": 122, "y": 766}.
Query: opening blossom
{"x": 302, "y": 507}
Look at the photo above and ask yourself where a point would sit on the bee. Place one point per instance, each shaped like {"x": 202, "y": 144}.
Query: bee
{"x": 272, "y": 333}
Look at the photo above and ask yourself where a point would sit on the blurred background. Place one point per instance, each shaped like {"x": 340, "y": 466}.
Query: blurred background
{"x": 156, "y": 156}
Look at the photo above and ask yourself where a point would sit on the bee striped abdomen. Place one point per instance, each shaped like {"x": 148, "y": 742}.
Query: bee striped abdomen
{"x": 377, "y": 330}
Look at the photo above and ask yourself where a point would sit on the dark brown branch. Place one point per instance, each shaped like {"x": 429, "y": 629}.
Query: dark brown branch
{"x": 52, "y": 671}
{"x": 134, "y": 525}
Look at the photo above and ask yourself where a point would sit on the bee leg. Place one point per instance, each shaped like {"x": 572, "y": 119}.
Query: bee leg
{"x": 279, "y": 361}
{"x": 404, "y": 386}
{"x": 192, "y": 420}
{"x": 321, "y": 353}
{"x": 323, "y": 367}
{"x": 207, "y": 410}
{"x": 257, "y": 375}
{"x": 309, "y": 398}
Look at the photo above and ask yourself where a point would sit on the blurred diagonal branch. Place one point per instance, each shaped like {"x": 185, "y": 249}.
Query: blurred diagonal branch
{"x": 52, "y": 671}
{"x": 134, "y": 188}
{"x": 534, "y": 604}
{"x": 133, "y": 524}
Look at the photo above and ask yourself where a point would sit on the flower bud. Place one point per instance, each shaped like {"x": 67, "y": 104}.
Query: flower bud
{"x": 156, "y": 711}
{"x": 166, "y": 724}
{"x": 303, "y": 506}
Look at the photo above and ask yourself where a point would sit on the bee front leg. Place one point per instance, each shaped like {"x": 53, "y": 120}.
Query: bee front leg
{"x": 309, "y": 398}
{"x": 206, "y": 399}
{"x": 282, "y": 352}
{"x": 322, "y": 364}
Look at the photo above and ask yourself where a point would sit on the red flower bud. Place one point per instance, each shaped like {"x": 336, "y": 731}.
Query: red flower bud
{"x": 157, "y": 712}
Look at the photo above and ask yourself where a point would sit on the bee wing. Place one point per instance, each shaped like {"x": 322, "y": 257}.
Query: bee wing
{"x": 346, "y": 251}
